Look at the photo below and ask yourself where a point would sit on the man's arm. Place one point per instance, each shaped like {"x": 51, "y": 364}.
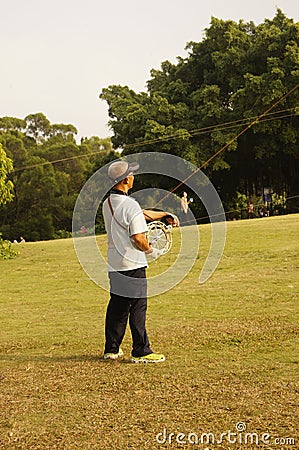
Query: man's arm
{"x": 141, "y": 242}
{"x": 158, "y": 215}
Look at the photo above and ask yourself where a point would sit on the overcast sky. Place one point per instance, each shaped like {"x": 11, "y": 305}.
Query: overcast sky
{"x": 56, "y": 56}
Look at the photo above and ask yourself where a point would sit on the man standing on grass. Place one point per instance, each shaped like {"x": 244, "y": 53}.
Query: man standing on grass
{"x": 128, "y": 250}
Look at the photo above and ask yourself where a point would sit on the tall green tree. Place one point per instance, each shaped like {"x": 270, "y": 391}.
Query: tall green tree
{"x": 50, "y": 169}
{"x": 195, "y": 107}
{"x": 6, "y": 186}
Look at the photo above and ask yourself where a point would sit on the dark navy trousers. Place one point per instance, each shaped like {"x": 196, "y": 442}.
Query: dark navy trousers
{"x": 128, "y": 301}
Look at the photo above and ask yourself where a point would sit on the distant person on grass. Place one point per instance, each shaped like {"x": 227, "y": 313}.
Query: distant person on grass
{"x": 128, "y": 250}
{"x": 250, "y": 210}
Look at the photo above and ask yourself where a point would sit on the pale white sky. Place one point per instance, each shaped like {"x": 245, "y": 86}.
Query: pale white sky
{"x": 56, "y": 56}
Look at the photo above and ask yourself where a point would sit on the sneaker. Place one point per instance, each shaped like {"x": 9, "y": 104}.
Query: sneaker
{"x": 113, "y": 355}
{"x": 152, "y": 358}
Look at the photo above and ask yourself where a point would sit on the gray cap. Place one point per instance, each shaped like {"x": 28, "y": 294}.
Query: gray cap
{"x": 119, "y": 170}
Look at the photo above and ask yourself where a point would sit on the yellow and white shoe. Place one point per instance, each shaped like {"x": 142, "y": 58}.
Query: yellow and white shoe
{"x": 114, "y": 355}
{"x": 151, "y": 358}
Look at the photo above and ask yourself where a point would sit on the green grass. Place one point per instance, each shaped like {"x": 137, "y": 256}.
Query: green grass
{"x": 231, "y": 346}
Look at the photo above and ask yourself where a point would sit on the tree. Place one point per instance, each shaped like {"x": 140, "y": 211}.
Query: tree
{"x": 6, "y": 196}
{"x": 44, "y": 194}
{"x": 50, "y": 169}
{"x": 6, "y": 186}
{"x": 195, "y": 107}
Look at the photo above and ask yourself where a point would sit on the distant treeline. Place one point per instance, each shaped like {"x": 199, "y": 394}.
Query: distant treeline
{"x": 44, "y": 194}
{"x": 191, "y": 109}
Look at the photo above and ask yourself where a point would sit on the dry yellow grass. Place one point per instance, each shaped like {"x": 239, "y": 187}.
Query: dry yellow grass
{"x": 231, "y": 347}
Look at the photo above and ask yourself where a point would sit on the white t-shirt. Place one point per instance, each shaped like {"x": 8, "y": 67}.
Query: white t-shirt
{"x": 128, "y": 219}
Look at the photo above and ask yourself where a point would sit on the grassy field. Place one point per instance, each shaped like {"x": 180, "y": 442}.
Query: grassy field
{"x": 231, "y": 346}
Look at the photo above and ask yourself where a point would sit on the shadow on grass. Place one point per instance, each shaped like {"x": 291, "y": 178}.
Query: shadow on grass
{"x": 60, "y": 359}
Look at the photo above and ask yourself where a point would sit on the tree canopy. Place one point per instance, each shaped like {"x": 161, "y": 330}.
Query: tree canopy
{"x": 196, "y": 106}
{"x": 6, "y": 185}
{"x": 50, "y": 169}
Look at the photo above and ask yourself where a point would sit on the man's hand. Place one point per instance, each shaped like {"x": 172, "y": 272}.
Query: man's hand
{"x": 172, "y": 220}
{"x": 153, "y": 253}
